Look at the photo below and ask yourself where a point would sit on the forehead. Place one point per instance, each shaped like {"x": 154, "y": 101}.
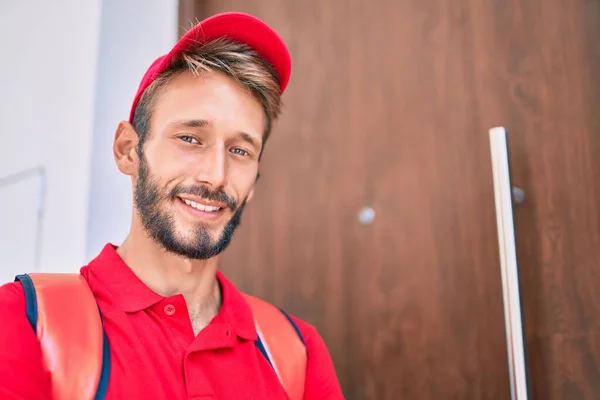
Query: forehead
{"x": 210, "y": 96}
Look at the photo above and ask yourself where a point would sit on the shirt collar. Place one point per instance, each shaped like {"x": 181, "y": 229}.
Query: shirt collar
{"x": 235, "y": 309}
{"x": 126, "y": 290}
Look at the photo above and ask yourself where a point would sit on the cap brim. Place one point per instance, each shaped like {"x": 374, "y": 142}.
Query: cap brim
{"x": 241, "y": 27}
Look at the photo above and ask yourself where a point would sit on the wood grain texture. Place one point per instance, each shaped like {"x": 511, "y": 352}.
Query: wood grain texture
{"x": 389, "y": 107}
{"x": 542, "y": 75}
{"x": 379, "y": 113}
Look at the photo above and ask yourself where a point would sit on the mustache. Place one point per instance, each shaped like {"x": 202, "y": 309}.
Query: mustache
{"x": 202, "y": 191}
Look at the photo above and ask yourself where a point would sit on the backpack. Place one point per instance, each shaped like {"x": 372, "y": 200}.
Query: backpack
{"x": 53, "y": 299}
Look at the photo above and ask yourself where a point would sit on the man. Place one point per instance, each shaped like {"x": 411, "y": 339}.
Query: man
{"x": 177, "y": 327}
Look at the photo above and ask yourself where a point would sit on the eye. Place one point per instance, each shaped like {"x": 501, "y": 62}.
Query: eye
{"x": 240, "y": 152}
{"x": 188, "y": 139}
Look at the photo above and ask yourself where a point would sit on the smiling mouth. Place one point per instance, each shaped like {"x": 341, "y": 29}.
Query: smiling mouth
{"x": 207, "y": 208}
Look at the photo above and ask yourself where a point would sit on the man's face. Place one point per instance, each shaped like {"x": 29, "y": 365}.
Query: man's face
{"x": 199, "y": 163}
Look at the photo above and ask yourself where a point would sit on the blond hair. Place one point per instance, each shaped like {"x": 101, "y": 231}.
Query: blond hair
{"x": 236, "y": 60}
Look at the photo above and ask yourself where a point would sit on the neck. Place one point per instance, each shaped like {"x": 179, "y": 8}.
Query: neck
{"x": 169, "y": 274}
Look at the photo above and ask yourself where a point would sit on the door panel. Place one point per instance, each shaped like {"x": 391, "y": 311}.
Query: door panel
{"x": 389, "y": 107}
{"x": 379, "y": 114}
{"x": 540, "y": 78}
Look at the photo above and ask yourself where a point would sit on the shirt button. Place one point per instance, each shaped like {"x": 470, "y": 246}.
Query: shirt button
{"x": 169, "y": 309}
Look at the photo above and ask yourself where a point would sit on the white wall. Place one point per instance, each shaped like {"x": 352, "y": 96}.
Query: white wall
{"x": 147, "y": 29}
{"x": 68, "y": 74}
{"x": 47, "y": 76}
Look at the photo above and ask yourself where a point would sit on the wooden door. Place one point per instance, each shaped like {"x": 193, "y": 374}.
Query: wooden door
{"x": 389, "y": 107}
{"x": 540, "y": 77}
{"x": 381, "y": 112}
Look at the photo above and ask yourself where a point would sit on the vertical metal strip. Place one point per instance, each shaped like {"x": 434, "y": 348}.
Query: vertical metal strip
{"x": 19, "y": 177}
{"x": 508, "y": 263}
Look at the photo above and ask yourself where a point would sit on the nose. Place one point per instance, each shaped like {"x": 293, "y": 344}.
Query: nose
{"x": 212, "y": 168}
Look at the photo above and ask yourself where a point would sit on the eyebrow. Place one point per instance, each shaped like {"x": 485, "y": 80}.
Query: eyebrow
{"x": 203, "y": 123}
{"x": 247, "y": 138}
{"x": 193, "y": 123}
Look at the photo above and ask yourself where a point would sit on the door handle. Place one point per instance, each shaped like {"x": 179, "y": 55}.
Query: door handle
{"x": 504, "y": 196}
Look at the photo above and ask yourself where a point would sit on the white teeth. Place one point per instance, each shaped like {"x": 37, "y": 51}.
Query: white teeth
{"x": 201, "y": 207}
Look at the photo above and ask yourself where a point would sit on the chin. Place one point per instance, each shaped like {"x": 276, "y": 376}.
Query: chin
{"x": 200, "y": 234}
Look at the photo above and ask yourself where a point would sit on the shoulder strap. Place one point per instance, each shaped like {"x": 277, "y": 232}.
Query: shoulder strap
{"x": 282, "y": 344}
{"x": 66, "y": 319}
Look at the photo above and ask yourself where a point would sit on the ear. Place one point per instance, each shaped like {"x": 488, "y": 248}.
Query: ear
{"x": 125, "y": 148}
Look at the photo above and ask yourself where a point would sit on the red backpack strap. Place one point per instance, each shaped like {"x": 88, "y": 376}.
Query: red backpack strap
{"x": 282, "y": 344}
{"x": 65, "y": 317}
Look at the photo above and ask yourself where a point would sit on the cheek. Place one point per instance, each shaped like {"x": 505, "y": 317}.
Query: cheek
{"x": 243, "y": 181}
{"x": 168, "y": 165}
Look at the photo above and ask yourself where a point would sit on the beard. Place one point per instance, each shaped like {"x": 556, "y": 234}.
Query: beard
{"x": 160, "y": 224}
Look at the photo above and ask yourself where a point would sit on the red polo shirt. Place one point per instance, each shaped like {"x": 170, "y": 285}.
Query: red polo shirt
{"x": 154, "y": 354}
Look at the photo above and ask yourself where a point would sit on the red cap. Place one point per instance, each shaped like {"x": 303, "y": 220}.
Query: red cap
{"x": 243, "y": 28}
